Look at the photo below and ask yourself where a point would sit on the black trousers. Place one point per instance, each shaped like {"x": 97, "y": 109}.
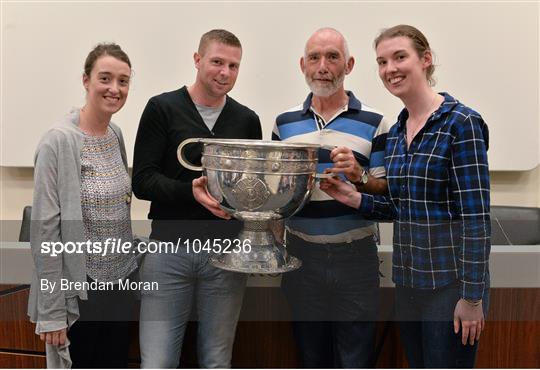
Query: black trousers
{"x": 334, "y": 302}
{"x": 100, "y": 338}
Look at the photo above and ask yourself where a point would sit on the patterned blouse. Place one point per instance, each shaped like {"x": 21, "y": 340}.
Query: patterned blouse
{"x": 106, "y": 201}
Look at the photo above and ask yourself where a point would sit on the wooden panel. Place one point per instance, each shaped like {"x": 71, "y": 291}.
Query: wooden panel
{"x": 264, "y": 337}
{"x": 514, "y": 304}
{"x": 512, "y": 331}
{"x": 264, "y": 345}
{"x": 16, "y": 331}
{"x": 17, "y": 361}
{"x": 506, "y": 344}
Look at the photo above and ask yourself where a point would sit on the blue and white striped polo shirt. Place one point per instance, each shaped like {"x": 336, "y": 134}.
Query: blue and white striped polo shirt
{"x": 359, "y": 127}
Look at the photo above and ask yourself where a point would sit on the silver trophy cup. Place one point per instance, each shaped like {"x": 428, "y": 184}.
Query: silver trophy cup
{"x": 257, "y": 182}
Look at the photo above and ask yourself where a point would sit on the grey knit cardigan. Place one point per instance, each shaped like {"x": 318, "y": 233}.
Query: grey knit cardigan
{"x": 57, "y": 216}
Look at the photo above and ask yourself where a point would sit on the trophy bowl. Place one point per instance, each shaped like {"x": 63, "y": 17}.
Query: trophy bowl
{"x": 257, "y": 182}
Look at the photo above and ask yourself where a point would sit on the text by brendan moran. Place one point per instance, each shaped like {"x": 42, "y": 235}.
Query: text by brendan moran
{"x": 121, "y": 284}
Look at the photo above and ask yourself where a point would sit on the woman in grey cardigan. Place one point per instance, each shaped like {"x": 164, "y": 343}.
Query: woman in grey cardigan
{"x": 82, "y": 199}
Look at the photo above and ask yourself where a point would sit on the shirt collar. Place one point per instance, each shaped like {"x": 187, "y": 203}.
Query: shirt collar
{"x": 447, "y": 105}
{"x": 354, "y": 103}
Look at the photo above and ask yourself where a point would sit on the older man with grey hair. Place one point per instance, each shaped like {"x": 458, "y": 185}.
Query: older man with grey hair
{"x": 334, "y": 295}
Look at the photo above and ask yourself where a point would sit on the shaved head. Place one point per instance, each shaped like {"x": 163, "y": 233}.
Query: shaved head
{"x": 329, "y": 33}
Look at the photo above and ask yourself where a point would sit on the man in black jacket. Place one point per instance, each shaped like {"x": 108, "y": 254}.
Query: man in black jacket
{"x": 183, "y": 273}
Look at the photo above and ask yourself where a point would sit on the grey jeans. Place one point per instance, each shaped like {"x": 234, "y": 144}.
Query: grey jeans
{"x": 185, "y": 279}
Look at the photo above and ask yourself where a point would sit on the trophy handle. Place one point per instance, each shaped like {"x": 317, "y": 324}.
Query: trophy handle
{"x": 182, "y": 159}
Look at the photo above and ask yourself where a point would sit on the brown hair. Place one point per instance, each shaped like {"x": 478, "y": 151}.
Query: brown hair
{"x": 418, "y": 40}
{"x": 218, "y": 35}
{"x": 103, "y": 49}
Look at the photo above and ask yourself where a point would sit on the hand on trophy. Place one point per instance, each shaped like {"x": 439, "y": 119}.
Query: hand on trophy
{"x": 201, "y": 194}
{"x": 341, "y": 191}
{"x": 346, "y": 163}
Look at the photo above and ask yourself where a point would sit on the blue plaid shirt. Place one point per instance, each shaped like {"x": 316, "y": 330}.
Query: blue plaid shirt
{"x": 439, "y": 200}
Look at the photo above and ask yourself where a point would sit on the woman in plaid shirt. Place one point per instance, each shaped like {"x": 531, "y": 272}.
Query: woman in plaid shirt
{"x": 438, "y": 182}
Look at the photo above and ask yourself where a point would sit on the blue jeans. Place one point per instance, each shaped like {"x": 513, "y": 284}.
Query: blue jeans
{"x": 427, "y": 329}
{"x": 334, "y": 300}
{"x": 184, "y": 279}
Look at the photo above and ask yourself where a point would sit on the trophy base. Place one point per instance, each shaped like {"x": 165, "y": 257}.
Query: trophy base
{"x": 265, "y": 255}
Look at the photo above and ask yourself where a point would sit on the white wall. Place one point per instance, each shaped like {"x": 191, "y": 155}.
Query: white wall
{"x": 487, "y": 56}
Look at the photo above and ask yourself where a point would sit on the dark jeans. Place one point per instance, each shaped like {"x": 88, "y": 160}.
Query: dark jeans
{"x": 427, "y": 329}
{"x": 100, "y": 338}
{"x": 334, "y": 300}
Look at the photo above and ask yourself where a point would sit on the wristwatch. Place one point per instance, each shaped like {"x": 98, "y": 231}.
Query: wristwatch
{"x": 363, "y": 180}
{"x": 363, "y": 177}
